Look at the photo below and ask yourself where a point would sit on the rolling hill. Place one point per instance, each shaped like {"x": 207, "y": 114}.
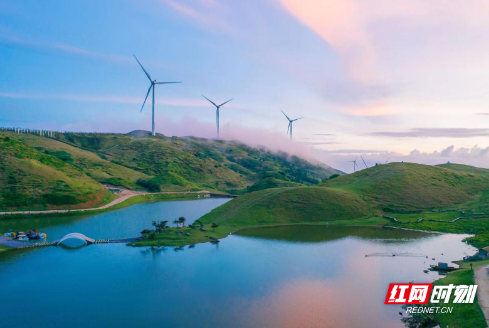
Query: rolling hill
{"x": 31, "y": 179}
{"x": 391, "y": 188}
{"x": 70, "y": 170}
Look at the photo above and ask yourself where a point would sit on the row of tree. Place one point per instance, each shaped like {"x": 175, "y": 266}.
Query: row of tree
{"x": 163, "y": 225}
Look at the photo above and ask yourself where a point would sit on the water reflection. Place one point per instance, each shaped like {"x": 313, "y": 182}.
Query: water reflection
{"x": 317, "y": 278}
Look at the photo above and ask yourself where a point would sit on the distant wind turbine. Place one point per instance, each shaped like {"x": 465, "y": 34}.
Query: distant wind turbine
{"x": 289, "y": 127}
{"x": 217, "y": 111}
{"x": 354, "y": 164}
{"x": 387, "y": 160}
{"x": 366, "y": 166}
{"x": 152, "y": 86}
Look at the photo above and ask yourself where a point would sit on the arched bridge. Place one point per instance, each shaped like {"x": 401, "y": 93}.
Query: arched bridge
{"x": 75, "y": 235}
{"x": 82, "y": 237}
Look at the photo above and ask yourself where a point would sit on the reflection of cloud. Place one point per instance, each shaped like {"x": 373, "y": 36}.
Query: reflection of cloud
{"x": 323, "y": 303}
{"x": 435, "y": 133}
{"x": 65, "y": 48}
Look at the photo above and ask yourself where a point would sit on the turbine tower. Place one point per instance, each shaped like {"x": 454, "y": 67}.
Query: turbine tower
{"x": 289, "y": 127}
{"x": 217, "y": 112}
{"x": 152, "y": 86}
{"x": 354, "y": 164}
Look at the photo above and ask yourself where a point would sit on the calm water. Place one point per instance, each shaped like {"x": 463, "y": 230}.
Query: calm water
{"x": 124, "y": 223}
{"x": 302, "y": 276}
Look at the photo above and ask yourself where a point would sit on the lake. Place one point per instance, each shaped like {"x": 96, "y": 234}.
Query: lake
{"x": 291, "y": 276}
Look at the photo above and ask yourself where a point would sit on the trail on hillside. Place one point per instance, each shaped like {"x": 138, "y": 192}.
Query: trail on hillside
{"x": 124, "y": 195}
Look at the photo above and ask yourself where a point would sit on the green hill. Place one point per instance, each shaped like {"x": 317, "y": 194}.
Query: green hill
{"x": 185, "y": 163}
{"x": 392, "y": 188}
{"x": 32, "y": 179}
{"x": 407, "y": 187}
{"x": 289, "y": 205}
{"x": 69, "y": 170}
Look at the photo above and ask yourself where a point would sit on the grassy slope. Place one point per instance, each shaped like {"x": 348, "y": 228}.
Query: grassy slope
{"x": 31, "y": 179}
{"x": 289, "y": 205}
{"x": 42, "y": 173}
{"x": 394, "y": 188}
{"x": 192, "y": 163}
{"x": 406, "y": 187}
{"x": 93, "y": 165}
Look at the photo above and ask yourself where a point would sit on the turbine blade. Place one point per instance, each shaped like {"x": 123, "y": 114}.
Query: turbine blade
{"x": 167, "y": 82}
{"x": 224, "y": 103}
{"x": 387, "y": 160}
{"x": 363, "y": 161}
{"x": 297, "y": 119}
{"x": 146, "y": 97}
{"x": 285, "y": 115}
{"x": 149, "y": 77}
{"x": 288, "y": 127}
{"x": 210, "y": 101}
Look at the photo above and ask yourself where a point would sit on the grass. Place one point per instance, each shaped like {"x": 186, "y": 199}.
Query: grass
{"x": 178, "y": 237}
{"x": 464, "y": 315}
{"x": 288, "y": 205}
{"x": 4, "y": 248}
{"x": 408, "y": 187}
{"x": 31, "y": 179}
{"x": 38, "y": 173}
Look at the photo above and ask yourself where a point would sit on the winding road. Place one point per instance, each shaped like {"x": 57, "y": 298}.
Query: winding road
{"x": 125, "y": 194}
{"x": 481, "y": 276}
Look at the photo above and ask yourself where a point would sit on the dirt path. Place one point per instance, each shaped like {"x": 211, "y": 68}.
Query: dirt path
{"x": 481, "y": 276}
{"x": 125, "y": 194}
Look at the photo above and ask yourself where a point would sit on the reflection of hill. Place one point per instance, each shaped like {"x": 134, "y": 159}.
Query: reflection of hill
{"x": 317, "y": 233}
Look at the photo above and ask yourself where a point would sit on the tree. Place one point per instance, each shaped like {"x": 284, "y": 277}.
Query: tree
{"x": 176, "y": 223}
{"x": 160, "y": 225}
{"x": 182, "y": 220}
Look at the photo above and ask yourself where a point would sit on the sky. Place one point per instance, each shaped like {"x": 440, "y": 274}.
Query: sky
{"x": 386, "y": 79}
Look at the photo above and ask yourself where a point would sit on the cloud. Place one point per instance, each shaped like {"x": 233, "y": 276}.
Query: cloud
{"x": 483, "y": 114}
{"x": 66, "y": 49}
{"x": 321, "y": 143}
{"x": 339, "y": 159}
{"x": 207, "y": 13}
{"x": 103, "y": 99}
{"x": 451, "y": 152}
{"x": 435, "y": 133}
{"x": 187, "y": 126}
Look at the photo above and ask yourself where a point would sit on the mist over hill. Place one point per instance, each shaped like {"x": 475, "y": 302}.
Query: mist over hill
{"x": 70, "y": 170}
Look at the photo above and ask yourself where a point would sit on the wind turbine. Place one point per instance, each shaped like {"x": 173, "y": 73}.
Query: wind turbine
{"x": 152, "y": 86}
{"x": 354, "y": 164}
{"x": 366, "y": 166}
{"x": 289, "y": 127}
{"x": 217, "y": 112}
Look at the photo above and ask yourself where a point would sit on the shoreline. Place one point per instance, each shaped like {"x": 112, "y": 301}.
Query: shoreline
{"x": 121, "y": 202}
